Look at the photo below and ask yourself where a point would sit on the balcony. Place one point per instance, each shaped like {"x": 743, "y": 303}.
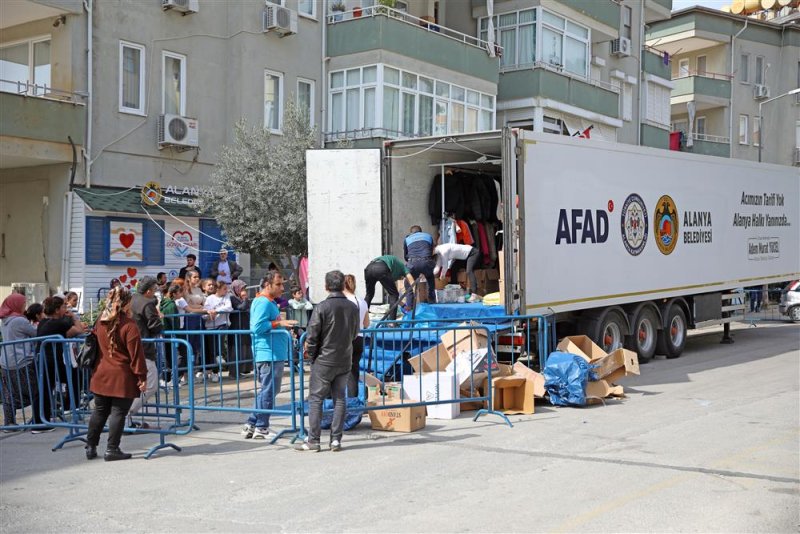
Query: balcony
{"x": 653, "y": 63}
{"x": 542, "y": 82}
{"x": 709, "y": 145}
{"x": 34, "y": 130}
{"x": 654, "y": 137}
{"x": 657, "y": 10}
{"x": 379, "y": 28}
{"x": 708, "y": 90}
{"x": 601, "y": 15}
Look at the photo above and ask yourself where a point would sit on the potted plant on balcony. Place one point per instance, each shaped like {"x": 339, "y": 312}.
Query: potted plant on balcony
{"x": 338, "y": 8}
{"x": 356, "y": 11}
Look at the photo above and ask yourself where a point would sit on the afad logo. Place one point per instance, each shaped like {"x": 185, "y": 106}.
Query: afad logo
{"x": 665, "y": 225}
{"x": 634, "y": 224}
{"x": 582, "y": 226}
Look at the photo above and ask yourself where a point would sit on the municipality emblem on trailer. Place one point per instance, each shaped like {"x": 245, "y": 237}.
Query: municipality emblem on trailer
{"x": 634, "y": 224}
{"x": 665, "y": 224}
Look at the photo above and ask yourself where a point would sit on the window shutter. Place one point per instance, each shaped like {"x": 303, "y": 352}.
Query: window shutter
{"x": 153, "y": 247}
{"x": 96, "y": 240}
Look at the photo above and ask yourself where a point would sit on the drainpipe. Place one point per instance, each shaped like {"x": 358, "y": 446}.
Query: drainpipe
{"x": 323, "y": 82}
{"x": 65, "y": 241}
{"x": 730, "y": 113}
{"x": 87, "y": 144}
{"x": 639, "y": 120}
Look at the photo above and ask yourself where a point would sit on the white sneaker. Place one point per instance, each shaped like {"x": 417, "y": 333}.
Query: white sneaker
{"x": 336, "y": 445}
{"x": 261, "y": 433}
{"x": 214, "y": 377}
{"x": 247, "y": 431}
{"x": 474, "y": 298}
{"x": 163, "y": 384}
{"x": 198, "y": 374}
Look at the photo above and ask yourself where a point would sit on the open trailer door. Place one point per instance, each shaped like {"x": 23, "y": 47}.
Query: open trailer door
{"x": 344, "y": 213}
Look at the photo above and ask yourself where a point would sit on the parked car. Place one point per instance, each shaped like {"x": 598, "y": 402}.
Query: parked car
{"x": 790, "y": 301}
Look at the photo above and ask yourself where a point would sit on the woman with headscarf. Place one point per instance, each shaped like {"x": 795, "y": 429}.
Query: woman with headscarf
{"x": 17, "y": 367}
{"x": 120, "y": 374}
{"x": 240, "y": 355}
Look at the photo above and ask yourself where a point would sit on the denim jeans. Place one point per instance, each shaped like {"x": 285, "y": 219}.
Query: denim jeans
{"x": 326, "y": 381}
{"x": 270, "y": 375}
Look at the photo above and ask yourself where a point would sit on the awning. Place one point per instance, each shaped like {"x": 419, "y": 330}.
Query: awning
{"x": 121, "y": 200}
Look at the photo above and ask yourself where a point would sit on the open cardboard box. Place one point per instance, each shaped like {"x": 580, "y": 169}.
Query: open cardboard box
{"x": 513, "y": 395}
{"x": 456, "y": 341}
{"x": 434, "y": 359}
{"x": 621, "y": 360}
{"x": 581, "y": 346}
{"x": 601, "y": 389}
{"x": 520, "y": 369}
{"x": 433, "y": 387}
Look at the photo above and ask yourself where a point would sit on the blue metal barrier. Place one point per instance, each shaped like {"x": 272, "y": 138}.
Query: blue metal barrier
{"x": 215, "y": 397}
{"x": 19, "y": 379}
{"x": 66, "y": 398}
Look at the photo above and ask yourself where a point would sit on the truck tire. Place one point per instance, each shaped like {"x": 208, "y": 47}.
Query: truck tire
{"x": 794, "y": 314}
{"x": 672, "y": 338}
{"x": 611, "y": 330}
{"x": 644, "y": 337}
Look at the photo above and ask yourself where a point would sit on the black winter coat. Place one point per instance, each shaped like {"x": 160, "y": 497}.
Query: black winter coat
{"x": 331, "y": 330}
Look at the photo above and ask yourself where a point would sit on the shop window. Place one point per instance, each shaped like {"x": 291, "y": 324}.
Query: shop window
{"x": 124, "y": 241}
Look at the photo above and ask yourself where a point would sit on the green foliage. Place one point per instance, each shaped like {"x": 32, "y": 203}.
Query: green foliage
{"x": 258, "y": 189}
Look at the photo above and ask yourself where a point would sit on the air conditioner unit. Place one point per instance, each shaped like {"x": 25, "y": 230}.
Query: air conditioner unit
{"x": 760, "y": 91}
{"x": 174, "y": 130}
{"x": 621, "y": 47}
{"x": 279, "y": 19}
{"x": 182, "y": 6}
{"x": 33, "y": 291}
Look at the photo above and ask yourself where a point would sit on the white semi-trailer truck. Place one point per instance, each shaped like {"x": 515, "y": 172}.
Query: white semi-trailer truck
{"x": 628, "y": 245}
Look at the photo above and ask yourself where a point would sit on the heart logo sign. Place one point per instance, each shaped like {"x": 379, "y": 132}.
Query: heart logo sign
{"x": 181, "y": 243}
{"x": 127, "y": 240}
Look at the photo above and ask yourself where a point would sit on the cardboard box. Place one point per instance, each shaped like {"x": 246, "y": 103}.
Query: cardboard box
{"x": 441, "y": 283}
{"x": 620, "y": 360}
{"x": 602, "y": 389}
{"x": 520, "y": 369}
{"x": 581, "y": 346}
{"x": 492, "y": 275}
{"x": 396, "y": 419}
{"x": 394, "y": 391}
{"x": 432, "y": 387}
{"x": 466, "y": 365}
{"x": 456, "y": 341}
{"x": 513, "y": 395}
{"x": 434, "y": 359}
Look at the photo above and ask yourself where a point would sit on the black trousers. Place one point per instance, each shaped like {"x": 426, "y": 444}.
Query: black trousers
{"x": 326, "y": 381}
{"x": 375, "y": 272}
{"x": 471, "y": 262}
{"x": 418, "y": 266}
{"x": 113, "y": 410}
{"x": 358, "y": 350}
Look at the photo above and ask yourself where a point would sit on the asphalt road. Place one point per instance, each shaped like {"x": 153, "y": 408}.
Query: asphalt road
{"x": 705, "y": 443}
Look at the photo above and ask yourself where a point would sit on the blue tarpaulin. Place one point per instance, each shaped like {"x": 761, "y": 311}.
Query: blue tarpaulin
{"x": 565, "y": 377}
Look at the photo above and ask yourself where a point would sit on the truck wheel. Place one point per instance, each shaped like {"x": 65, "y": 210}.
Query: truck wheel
{"x": 672, "y": 338}
{"x": 611, "y": 331}
{"x": 794, "y": 313}
{"x": 645, "y": 334}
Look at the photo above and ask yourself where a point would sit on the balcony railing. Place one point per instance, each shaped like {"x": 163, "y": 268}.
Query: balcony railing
{"x": 373, "y": 11}
{"x": 703, "y": 74}
{"x": 560, "y": 70}
{"x": 41, "y": 91}
{"x": 711, "y": 138}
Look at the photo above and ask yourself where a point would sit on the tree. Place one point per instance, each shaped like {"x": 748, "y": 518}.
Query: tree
{"x": 258, "y": 188}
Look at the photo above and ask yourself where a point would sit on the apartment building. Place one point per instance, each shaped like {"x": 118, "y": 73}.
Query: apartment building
{"x": 729, "y": 72}
{"x": 100, "y": 99}
{"x": 560, "y": 66}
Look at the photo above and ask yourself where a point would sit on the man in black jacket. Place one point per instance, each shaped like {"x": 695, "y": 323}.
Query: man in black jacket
{"x": 145, "y": 314}
{"x": 329, "y": 345}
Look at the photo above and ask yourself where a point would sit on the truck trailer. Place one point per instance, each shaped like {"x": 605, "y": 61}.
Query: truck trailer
{"x": 631, "y": 246}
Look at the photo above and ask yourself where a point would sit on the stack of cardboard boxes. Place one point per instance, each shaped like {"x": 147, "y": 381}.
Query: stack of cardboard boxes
{"x": 608, "y": 368}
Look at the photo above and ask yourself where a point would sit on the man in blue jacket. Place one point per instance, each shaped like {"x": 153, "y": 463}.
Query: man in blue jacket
{"x": 271, "y": 350}
{"x": 418, "y": 253}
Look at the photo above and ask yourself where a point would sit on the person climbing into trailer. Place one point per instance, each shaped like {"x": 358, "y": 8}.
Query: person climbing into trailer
{"x": 418, "y": 253}
{"x": 447, "y": 253}
{"x": 386, "y": 270}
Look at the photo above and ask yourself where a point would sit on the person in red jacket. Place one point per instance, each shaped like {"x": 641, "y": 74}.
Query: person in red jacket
{"x": 119, "y": 376}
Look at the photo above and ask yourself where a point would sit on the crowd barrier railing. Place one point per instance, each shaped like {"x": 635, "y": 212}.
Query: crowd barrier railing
{"x": 19, "y": 383}
{"x": 66, "y": 399}
{"x": 220, "y": 352}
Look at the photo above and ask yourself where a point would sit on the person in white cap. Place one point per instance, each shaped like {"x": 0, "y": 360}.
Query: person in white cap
{"x": 225, "y": 270}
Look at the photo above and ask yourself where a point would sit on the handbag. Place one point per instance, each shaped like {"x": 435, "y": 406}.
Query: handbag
{"x": 87, "y": 357}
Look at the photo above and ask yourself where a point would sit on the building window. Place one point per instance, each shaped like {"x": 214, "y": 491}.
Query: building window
{"x": 680, "y": 126}
{"x": 756, "y": 131}
{"x": 131, "y": 78}
{"x": 701, "y": 66}
{"x": 700, "y": 126}
{"x": 273, "y": 101}
{"x": 307, "y": 8}
{"x": 627, "y": 18}
{"x": 658, "y": 104}
{"x": 759, "y": 74}
{"x": 683, "y": 68}
{"x": 744, "y": 68}
{"x": 743, "y": 129}
{"x": 564, "y": 44}
{"x": 25, "y": 62}
{"x": 305, "y": 99}
{"x": 173, "y": 68}
{"x": 124, "y": 241}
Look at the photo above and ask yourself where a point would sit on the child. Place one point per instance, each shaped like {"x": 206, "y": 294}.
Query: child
{"x": 168, "y": 306}
{"x": 219, "y": 307}
{"x": 299, "y": 308}
{"x": 71, "y": 299}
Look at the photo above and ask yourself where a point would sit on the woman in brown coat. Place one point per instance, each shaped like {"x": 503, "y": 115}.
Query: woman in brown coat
{"x": 119, "y": 374}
